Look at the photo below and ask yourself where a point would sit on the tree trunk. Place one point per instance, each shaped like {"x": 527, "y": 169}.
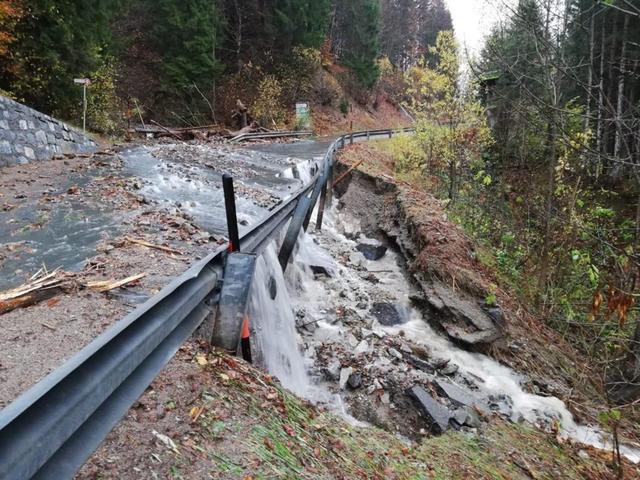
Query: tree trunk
{"x": 548, "y": 215}
{"x": 238, "y": 35}
{"x": 592, "y": 42}
{"x": 617, "y": 149}
{"x": 600, "y": 127}
{"x": 624, "y": 387}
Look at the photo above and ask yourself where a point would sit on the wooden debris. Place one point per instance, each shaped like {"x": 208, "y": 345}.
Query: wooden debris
{"x": 173, "y": 134}
{"x": 107, "y": 285}
{"x": 41, "y": 286}
{"x": 144, "y": 243}
{"x": 182, "y": 133}
{"x": 351, "y": 169}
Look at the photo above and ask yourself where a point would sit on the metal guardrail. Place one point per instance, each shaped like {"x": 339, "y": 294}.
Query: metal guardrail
{"x": 51, "y": 430}
{"x": 256, "y": 136}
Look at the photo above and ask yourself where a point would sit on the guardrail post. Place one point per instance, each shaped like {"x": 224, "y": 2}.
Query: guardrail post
{"x": 232, "y": 326}
{"x": 330, "y": 182}
{"x": 390, "y": 133}
{"x": 292, "y": 232}
{"x": 314, "y": 196}
{"x": 234, "y": 246}
{"x": 351, "y": 139}
{"x": 230, "y": 208}
{"x": 323, "y": 199}
{"x": 368, "y": 135}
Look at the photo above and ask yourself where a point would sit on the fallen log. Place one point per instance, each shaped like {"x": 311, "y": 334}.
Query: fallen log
{"x": 183, "y": 133}
{"x": 351, "y": 169}
{"x": 254, "y": 127}
{"x": 175, "y": 135}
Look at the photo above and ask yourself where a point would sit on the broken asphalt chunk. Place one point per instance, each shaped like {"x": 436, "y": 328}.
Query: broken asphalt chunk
{"x": 461, "y": 396}
{"x": 438, "y": 414}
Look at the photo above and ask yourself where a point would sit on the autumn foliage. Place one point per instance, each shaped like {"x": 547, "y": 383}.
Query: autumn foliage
{"x": 10, "y": 13}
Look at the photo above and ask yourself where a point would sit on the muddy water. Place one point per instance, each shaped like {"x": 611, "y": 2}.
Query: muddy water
{"x": 176, "y": 177}
{"x": 190, "y": 178}
{"x": 64, "y": 233}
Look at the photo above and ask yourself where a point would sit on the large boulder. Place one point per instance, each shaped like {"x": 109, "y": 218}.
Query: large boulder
{"x": 372, "y": 251}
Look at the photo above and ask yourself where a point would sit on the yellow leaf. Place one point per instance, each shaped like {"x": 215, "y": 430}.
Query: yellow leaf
{"x": 201, "y": 359}
{"x": 224, "y": 377}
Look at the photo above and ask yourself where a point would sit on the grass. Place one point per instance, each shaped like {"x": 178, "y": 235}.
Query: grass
{"x": 253, "y": 429}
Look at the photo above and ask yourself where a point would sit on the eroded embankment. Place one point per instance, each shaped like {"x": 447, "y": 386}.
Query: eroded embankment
{"x": 442, "y": 261}
{"x": 208, "y": 415}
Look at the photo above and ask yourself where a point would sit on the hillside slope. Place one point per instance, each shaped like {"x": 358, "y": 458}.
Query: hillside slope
{"x": 212, "y": 416}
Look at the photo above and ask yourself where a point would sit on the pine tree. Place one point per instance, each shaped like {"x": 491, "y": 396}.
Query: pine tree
{"x": 360, "y": 20}
{"x": 186, "y": 34}
{"x": 298, "y": 23}
{"x": 53, "y": 43}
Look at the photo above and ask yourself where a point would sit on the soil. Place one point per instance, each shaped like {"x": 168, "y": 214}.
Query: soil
{"x": 330, "y": 121}
{"x": 208, "y": 415}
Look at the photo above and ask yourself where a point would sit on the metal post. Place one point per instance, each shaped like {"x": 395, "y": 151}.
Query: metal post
{"x": 231, "y": 324}
{"x": 301, "y": 211}
{"x": 323, "y": 199}
{"x": 390, "y": 133}
{"x": 330, "y": 182}
{"x": 234, "y": 246}
{"x": 84, "y": 108}
{"x": 368, "y": 135}
{"x": 351, "y": 139}
{"x": 230, "y": 207}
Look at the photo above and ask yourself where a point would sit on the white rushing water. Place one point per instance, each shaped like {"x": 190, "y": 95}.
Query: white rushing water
{"x": 496, "y": 379}
{"x": 279, "y": 341}
{"x": 275, "y": 326}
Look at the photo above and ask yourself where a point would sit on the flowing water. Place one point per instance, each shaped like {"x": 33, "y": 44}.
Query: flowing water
{"x": 299, "y": 288}
{"x": 176, "y": 177}
{"x": 275, "y": 326}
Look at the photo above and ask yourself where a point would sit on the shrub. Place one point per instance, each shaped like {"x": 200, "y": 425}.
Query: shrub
{"x": 104, "y": 108}
{"x": 326, "y": 89}
{"x": 344, "y": 106}
{"x": 268, "y": 107}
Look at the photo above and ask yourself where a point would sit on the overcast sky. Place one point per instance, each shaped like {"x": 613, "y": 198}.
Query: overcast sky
{"x": 472, "y": 20}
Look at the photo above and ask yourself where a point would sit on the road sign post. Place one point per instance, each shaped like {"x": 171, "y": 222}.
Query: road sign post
{"x": 84, "y": 82}
{"x": 303, "y": 116}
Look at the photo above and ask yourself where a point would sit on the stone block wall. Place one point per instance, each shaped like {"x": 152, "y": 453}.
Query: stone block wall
{"x": 29, "y": 136}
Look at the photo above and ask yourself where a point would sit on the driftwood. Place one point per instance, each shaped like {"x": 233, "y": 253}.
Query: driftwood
{"x": 42, "y": 286}
{"x": 182, "y": 133}
{"x": 351, "y": 169}
{"x": 174, "y": 135}
{"x": 106, "y": 285}
{"x": 241, "y": 113}
{"x": 253, "y": 128}
{"x": 144, "y": 243}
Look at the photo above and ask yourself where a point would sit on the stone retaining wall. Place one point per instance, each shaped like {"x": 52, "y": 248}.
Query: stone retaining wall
{"x": 29, "y": 136}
